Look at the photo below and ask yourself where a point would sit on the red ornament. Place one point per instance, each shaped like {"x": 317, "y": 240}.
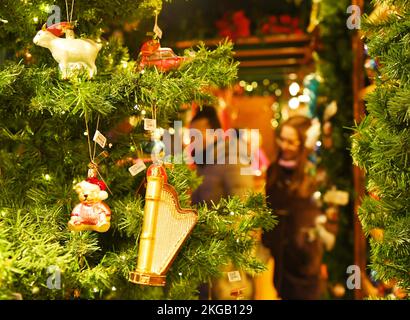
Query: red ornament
{"x": 164, "y": 59}
{"x": 98, "y": 182}
{"x": 58, "y": 29}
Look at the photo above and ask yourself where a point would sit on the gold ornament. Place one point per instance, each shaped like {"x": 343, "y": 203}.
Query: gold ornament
{"x": 165, "y": 228}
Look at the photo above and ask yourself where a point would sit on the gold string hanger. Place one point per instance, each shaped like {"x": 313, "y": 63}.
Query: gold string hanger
{"x": 92, "y": 151}
{"x": 70, "y": 17}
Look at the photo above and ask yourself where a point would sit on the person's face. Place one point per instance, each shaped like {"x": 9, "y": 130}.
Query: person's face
{"x": 289, "y": 143}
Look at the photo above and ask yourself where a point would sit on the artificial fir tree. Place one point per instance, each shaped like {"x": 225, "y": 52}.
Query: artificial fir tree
{"x": 382, "y": 142}
{"x": 44, "y": 151}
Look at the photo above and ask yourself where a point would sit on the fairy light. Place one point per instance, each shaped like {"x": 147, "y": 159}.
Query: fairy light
{"x": 304, "y": 98}
{"x": 317, "y": 195}
{"x": 293, "y": 103}
{"x": 275, "y": 106}
{"x": 242, "y": 83}
{"x": 35, "y": 19}
{"x": 294, "y": 88}
{"x": 293, "y": 76}
{"x": 171, "y": 131}
{"x": 278, "y": 92}
{"x": 254, "y": 84}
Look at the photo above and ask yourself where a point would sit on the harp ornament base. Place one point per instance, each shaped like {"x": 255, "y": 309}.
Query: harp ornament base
{"x": 147, "y": 279}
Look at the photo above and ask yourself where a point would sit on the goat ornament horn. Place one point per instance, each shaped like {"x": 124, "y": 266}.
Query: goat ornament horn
{"x": 165, "y": 228}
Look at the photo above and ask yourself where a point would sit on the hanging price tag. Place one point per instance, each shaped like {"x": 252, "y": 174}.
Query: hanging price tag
{"x": 150, "y": 124}
{"x": 158, "y": 32}
{"x": 137, "y": 167}
{"x": 100, "y": 139}
{"x": 234, "y": 276}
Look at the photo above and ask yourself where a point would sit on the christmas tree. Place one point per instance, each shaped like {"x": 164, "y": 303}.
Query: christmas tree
{"x": 335, "y": 68}
{"x": 47, "y": 124}
{"x": 382, "y": 142}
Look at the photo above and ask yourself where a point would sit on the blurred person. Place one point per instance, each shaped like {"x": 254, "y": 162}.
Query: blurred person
{"x": 220, "y": 180}
{"x": 220, "y": 177}
{"x": 298, "y": 241}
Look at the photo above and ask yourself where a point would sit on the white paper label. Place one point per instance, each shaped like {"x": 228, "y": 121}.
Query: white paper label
{"x": 100, "y": 139}
{"x": 150, "y": 124}
{"x": 234, "y": 276}
{"x": 158, "y": 31}
{"x": 337, "y": 197}
{"x": 137, "y": 167}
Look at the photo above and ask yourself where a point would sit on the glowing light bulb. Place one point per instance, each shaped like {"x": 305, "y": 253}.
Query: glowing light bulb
{"x": 293, "y": 103}
{"x": 294, "y": 89}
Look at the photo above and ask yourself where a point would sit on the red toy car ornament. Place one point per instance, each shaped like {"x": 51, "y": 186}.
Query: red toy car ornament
{"x": 164, "y": 59}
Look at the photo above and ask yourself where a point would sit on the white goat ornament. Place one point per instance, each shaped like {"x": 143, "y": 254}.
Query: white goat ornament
{"x": 70, "y": 52}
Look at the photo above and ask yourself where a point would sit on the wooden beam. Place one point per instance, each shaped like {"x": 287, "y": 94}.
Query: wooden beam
{"x": 270, "y": 63}
{"x": 270, "y": 52}
{"x": 273, "y": 39}
{"x": 360, "y": 244}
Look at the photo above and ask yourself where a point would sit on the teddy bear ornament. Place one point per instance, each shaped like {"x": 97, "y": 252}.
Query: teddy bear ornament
{"x": 92, "y": 213}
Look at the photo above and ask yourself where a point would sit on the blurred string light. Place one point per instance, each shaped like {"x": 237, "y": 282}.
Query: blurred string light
{"x": 293, "y": 103}
{"x": 293, "y": 76}
{"x": 274, "y": 123}
{"x": 294, "y": 88}
{"x": 278, "y": 92}
{"x": 304, "y": 98}
{"x": 275, "y": 106}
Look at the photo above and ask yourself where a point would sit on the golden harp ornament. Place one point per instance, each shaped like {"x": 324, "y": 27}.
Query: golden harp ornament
{"x": 165, "y": 228}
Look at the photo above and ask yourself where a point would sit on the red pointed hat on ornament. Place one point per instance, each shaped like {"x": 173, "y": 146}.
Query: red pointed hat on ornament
{"x": 98, "y": 182}
{"x": 58, "y": 29}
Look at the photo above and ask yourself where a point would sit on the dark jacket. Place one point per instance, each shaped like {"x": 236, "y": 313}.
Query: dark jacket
{"x": 297, "y": 255}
